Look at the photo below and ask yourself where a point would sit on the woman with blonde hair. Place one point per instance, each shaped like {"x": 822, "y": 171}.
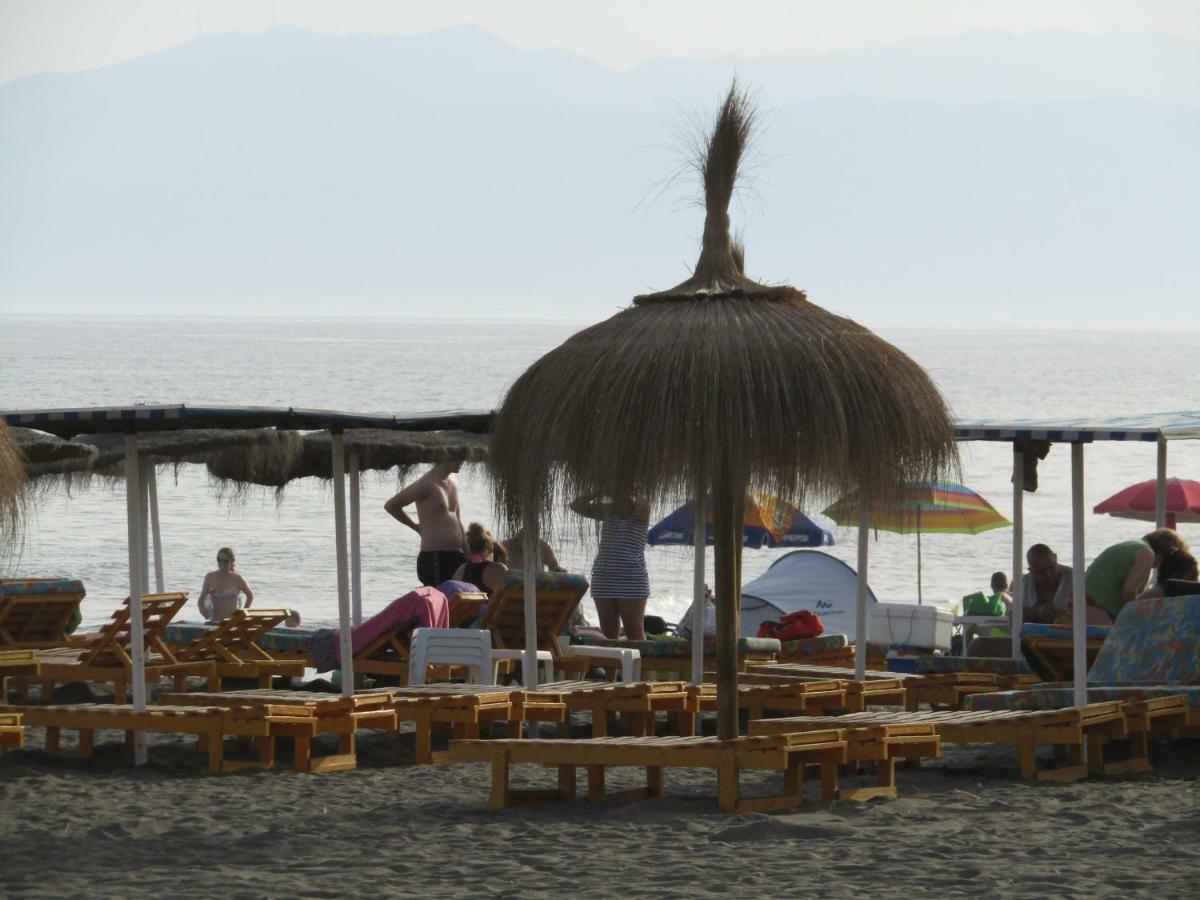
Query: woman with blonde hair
{"x": 221, "y": 589}
{"x": 480, "y": 569}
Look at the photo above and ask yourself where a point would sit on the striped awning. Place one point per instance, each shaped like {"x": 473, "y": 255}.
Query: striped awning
{"x": 1171, "y": 426}
{"x": 99, "y": 419}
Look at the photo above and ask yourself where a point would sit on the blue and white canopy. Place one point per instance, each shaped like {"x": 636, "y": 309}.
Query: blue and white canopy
{"x": 1169, "y": 426}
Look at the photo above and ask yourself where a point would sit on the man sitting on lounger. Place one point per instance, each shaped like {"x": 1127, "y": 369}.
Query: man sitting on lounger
{"x": 438, "y": 522}
{"x": 1046, "y": 591}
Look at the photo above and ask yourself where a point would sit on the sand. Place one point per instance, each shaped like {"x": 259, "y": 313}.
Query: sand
{"x": 963, "y": 825}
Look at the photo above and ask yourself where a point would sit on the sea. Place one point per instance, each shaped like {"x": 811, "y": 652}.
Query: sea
{"x": 285, "y": 543}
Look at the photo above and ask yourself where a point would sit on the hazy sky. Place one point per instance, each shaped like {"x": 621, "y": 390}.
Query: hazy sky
{"x": 65, "y": 35}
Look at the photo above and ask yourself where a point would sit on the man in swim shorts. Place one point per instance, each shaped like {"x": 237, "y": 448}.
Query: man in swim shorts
{"x": 438, "y": 522}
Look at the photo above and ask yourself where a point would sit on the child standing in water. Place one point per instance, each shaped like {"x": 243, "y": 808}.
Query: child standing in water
{"x": 221, "y": 589}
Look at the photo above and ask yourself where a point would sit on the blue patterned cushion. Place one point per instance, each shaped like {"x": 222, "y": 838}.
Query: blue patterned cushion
{"x": 822, "y": 643}
{"x": 1154, "y": 640}
{"x": 567, "y": 581}
{"x": 1063, "y": 632}
{"x": 678, "y": 648}
{"x": 993, "y": 665}
{"x": 1060, "y": 695}
{"x": 28, "y": 586}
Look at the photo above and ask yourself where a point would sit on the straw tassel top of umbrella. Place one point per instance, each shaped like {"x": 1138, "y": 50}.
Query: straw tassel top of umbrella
{"x": 720, "y": 381}
{"x": 12, "y": 486}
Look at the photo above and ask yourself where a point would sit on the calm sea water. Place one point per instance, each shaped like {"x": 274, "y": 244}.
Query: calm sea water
{"x": 286, "y": 548}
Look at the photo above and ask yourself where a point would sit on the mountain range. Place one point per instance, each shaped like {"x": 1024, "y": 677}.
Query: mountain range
{"x": 1041, "y": 178}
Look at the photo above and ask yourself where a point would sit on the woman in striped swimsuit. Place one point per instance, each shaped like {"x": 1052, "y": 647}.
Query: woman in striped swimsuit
{"x": 620, "y": 584}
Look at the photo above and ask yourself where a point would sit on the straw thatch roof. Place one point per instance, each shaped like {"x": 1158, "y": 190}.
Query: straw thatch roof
{"x": 292, "y": 455}
{"x": 721, "y": 382}
{"x": 12, "y": 486}
{"x": 720, "y": 376}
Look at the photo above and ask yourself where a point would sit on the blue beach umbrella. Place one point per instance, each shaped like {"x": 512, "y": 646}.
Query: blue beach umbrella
{"x": 759, "y": 527}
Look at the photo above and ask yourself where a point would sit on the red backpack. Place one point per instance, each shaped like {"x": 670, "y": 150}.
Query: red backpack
{"x": 799, "y": 625}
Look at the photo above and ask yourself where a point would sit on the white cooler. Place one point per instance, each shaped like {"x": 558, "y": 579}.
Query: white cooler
{"x": 906, "y": 625}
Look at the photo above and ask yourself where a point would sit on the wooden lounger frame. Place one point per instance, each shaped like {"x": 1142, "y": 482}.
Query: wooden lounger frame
{"x": 951, "y": 689}
{"x": 637, "y": 702}
{"x": 1063, "y": 729}
{"x": 505, "y": 619}
{"x": 468, "y": 708}
{"x": 879, "y": 746}
{"x": 1058, "y": 655}
{"x": 311, "y": 714}
{"x": 789, "y": 753}
{"x": 232, "y": 647}
{"x": 879, "y": 688}
{"x": 12, "y": 732}
{"x": 37, "y": 620}
{"x": 759, "y": 693}
{"x": 106, "y": 656}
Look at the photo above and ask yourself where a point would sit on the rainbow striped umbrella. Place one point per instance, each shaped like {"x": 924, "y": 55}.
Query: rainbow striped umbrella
{"x": 925, "y": 507}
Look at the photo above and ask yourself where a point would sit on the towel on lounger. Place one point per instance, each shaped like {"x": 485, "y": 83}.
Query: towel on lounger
{"x": 425, "y": 607}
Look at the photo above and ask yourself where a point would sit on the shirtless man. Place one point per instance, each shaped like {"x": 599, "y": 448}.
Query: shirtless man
{"x": 438, "y": 522}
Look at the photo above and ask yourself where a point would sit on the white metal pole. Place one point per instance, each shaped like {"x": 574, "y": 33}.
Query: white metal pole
{"x": 530, "y": 554}
{"x": 699, "y": 540}
{"x": 1018, "y": 556}
{"x": 1160, "y": 486}
{"x": 343, "y": 575}
{"x": 155, "y": 531}
{"x": 136, "y": 639}
{"x": 1079, "y": 601}
{"x": 861, "y": 627}
{"x": 144, "y": 524}
{"x": 355, "y": 541}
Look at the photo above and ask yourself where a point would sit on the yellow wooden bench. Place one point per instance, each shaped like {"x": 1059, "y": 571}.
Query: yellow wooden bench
{"x": 788, "y": 753}
{"x": 638, "y": 702}
{"x": 759, "y": 693}
{"x": 12, "y": 732}
{"x": 304, "y": 715}
{"x": 877, "y": 689}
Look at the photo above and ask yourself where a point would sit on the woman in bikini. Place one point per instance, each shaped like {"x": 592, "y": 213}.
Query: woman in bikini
{"x": 221, "y": 589}
{"x": 481, "y": 569}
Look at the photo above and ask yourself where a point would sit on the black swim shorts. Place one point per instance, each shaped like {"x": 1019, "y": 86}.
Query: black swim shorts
{"x": 436, "y": 566}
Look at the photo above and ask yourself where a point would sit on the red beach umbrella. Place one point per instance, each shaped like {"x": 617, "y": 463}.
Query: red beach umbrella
{"x": 1138, "y": 502}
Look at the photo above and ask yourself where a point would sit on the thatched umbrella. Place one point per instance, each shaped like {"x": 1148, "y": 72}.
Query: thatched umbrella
{"x": 12, "y": 486}
{"x": 723, "y": 382}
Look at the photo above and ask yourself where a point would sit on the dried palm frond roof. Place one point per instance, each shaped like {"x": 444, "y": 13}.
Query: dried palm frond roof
{"x": 720, "y": 377}
{"x": 292, "y": 455}
{"x": 12, "y": 486}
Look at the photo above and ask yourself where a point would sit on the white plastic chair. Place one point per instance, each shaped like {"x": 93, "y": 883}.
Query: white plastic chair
{"x": 545, "y": 663}
{"x": 630, "y": 658}
{"x": 469, "y": 647}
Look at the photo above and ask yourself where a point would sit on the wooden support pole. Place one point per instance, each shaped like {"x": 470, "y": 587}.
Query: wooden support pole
{"x": 728, "y": 502}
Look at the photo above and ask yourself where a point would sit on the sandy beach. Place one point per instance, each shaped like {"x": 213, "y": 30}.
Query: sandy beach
{"x": 963, "y": 825}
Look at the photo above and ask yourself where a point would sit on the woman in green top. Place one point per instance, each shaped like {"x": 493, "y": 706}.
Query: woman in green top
{"x": 1122, "y": 571}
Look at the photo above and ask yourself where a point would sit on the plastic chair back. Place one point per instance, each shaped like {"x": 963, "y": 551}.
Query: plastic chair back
{"x": 469, "y": 647}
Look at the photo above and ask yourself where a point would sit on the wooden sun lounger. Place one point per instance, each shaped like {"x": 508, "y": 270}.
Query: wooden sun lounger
{"x": 758, "y": 693}
{"x": 37, "y": 620}
{"x": 952, "y": 688}
{"x": 312, "y": 713}
{"x": 209, "y": 723}
{"x": 505, "y": 618}
{"x": 232, "y": 648}
{"x": 105, "y": 657}
{"x": 12, "y": 732}
{"x": 467, "y": 708}
{"x": 1057, "y": 654}
{"x": 879, "y": 688}
{"x": 1063, "y": 729}
{"x": 638, "y": 702}
{"x": 879, "y": 746}
{"x": 788, "y": 753}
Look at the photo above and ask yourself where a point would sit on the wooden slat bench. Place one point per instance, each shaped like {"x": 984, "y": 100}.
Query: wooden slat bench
{"x": 311, "y": 714}
{"x": 758, "y": 693}
{"x": 878, "y": 688}
{"x": 1063, "y": 729}
{"x": 877, "y": 745}
{"x": 468, "y": 708}
{"x": 637, "y": 701}
{"x": 789, "y": 753}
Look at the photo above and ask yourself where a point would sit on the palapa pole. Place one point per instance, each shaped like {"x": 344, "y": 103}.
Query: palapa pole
{"x": 919, "y": 603}
{"x": 155, "y": 531}
{"x": 1018, "y": 543}
{"x": 860, "y": 606}
{"x": 144, "y": 524}
{"x": 355, "y": 540}
{"x": 1079, "y": 599}
{"x": 699, "y": 540}
{"x": 1160, "y": 486}
{"x": 727, "y": 547}
{"x": 530, "y": 555}
{"x": 136, "y": 638}
{"x": 346, "y": 643}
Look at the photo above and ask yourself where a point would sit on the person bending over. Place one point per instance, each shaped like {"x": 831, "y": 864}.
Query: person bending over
{"x": 1176, "y": 564}
{"x": 438, "y": 521}
{"x": 1121, "y": 572}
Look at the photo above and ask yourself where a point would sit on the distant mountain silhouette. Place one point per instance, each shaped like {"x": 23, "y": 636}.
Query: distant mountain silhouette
{"x": 974, "y": 178}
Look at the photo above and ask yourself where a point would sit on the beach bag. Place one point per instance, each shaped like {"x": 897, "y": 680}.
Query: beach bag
{"x": 799, "y": 625}
{"x": 684, "y": 628}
